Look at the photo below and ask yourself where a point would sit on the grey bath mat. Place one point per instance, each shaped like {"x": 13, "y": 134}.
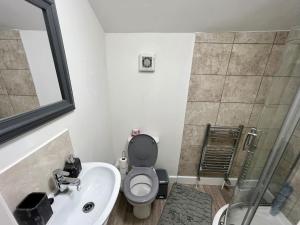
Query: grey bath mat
{"x": 186, "y": 206}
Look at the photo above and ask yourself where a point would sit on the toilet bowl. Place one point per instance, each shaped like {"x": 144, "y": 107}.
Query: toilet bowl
{"x": 141, "y": 183}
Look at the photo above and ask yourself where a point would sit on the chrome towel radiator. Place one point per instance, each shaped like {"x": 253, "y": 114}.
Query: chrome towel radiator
{"x": 218, "y": 151}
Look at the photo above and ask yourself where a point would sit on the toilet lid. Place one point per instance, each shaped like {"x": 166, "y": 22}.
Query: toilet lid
{"x": 142, "y": 151}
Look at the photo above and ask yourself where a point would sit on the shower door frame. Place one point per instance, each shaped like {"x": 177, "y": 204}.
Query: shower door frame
{"x": 279, "y": 147}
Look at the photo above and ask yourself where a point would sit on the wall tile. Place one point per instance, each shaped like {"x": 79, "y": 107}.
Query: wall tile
{"x": 297, "y": 130}
{"x": 296, "y": 69}
{"x": 295, "y": 179}
{"x": 294, "y": 215}
{"x": 290, "y": 90}
{"x": 248, "y": 59}
{"x": 249, "y": 56}
{"x": 15, "y": 78}
{"x": 9, "y": 34}
{"x": 224, "y": 37}
{"x": 201, "y": 113}
{"x": 283, "y": 90}
{"x": 256, "y": 112}
{"x": 254, "y": 173}
{"x": 264, "y": 88}
{"x": 34, "y": 173}
{"x": 211, "y": 58}
{"x": 289, "y": 205}
{"x": 240, "y": 158}
{"x": 290, "y": 65}
{"x": 18, "y": 82}
{"x": 273, "y": 116}
{"x": 241, "y": 88}
{"x": 2, "y": 86}
{"x": 234, "y": 114}
{"x": 291, "y": 208}
{"x": 275, "y": 60}
{"x": 294, "y": 35}
{"x": 278, "y": 180}
{"x": 12, "y": 55}
{"x": 292, "y": 151}
{"x": 22, "y": 104}
{"x": 189, "y": 161}
{"x": 281, "y": 37}
{"x": 206, "y": 88}
{"x": 235, "y": 171}
{"x": 267, "y": 138}
{"x": 193, "y": 135}
{"x": 254, "y": 37}
{"x": 5, "y": 107}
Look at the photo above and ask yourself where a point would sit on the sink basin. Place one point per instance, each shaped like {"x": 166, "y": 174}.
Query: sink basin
{"x": 100, "y": 184}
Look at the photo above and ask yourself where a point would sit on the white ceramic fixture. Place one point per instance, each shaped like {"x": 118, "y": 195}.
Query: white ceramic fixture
{"x": 262, "y": 216}
{"x": 141, "y": 183}
{"x": 100, "y": 184}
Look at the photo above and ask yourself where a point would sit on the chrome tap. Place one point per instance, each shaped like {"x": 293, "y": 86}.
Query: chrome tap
{"x": 62, "y": 181}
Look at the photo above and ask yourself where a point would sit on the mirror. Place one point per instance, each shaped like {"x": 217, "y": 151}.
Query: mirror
{"x": 28, "y": 77}
{"x": 34, "y": 79}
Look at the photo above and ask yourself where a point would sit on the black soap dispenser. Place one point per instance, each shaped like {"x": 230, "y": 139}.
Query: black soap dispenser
{"x": 73, "y": 166}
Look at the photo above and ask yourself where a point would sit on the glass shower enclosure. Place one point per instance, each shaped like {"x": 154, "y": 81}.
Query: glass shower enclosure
{"x": 268, "y": 188}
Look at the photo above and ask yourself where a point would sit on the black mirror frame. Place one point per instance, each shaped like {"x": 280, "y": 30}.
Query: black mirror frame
{"x": 13, "y": 126}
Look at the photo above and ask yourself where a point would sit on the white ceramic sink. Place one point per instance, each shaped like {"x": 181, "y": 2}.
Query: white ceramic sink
{"x": 100, "y": 184}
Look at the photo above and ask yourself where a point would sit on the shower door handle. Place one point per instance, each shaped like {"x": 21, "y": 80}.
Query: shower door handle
{"x": 250, "y": 138}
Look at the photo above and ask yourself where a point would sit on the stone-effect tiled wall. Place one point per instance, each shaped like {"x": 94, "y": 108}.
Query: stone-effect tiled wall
{"x": 282, "y": 88}
{"x": 34, "y": 173}
{"x": 281, "y": 91}
{"x": 231, "y": 75}
{"x": 17, "y": 91}
{"x": 292, "y": 206}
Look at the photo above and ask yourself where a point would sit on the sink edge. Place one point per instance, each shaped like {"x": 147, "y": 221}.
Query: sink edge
{"x": 117, "y": 178}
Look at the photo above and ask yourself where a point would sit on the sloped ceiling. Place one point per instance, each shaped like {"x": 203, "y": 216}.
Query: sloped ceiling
{"x": 19, "y": 14}
{"x": 196, "y": 15}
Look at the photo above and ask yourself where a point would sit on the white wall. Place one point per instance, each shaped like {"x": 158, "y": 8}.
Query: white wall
{"x": 89, "y": 124}
{"x": 41, "y": 64}
{"x": 6, "y": 216}
{"x": 153, "y": 102}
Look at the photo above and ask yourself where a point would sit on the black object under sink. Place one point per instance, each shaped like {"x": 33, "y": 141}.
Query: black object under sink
{"x": 35, "y": 209}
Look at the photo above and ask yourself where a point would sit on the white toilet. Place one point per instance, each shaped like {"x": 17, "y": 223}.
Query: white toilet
{"x": 141, "y": 183}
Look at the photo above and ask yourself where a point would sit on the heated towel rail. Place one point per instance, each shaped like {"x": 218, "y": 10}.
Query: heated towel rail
{"x": 218, "y": 151}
